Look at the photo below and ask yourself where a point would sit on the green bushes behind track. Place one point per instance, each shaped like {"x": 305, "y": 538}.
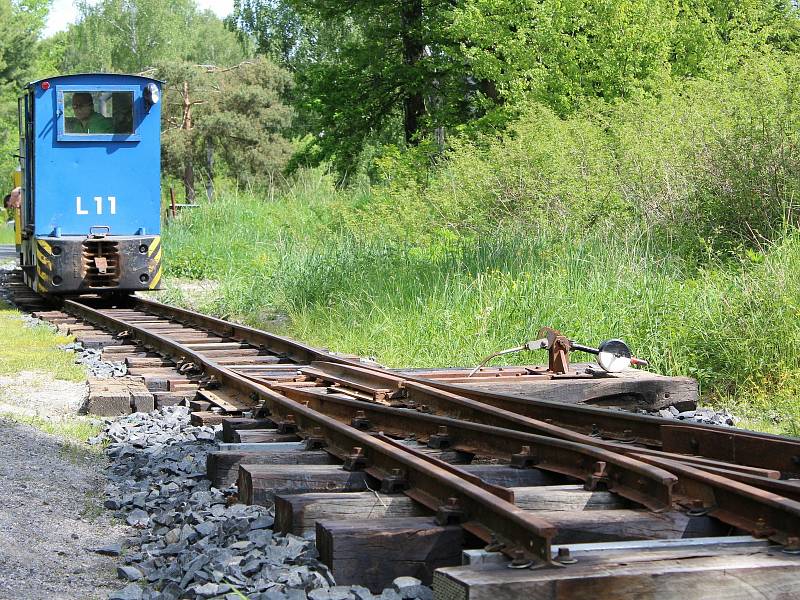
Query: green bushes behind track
{"x": 669, "y": 223}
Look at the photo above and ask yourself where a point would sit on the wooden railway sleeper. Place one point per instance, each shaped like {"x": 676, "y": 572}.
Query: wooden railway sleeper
{"x": 734, "y": 502}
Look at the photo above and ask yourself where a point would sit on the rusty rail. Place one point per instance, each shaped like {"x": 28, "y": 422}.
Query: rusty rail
{"x": 759, "y": 511}
{"x": 436, "y": 488}
{"x": 749, "y": 448}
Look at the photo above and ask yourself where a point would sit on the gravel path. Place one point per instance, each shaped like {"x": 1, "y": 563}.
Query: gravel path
{"x": 36, "y": 393}
{"x": 51, "y": 519}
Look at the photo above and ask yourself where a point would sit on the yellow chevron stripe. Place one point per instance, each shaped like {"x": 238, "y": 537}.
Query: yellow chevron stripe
{"x": 40, "y": 258}
{"x": 157, "y": 259}
{"x": 156, "y": 279}
{"x": 45, "y": 246}
{"x": 40, "y": 287}
{"x": 154, "y": 245}
{"x": 42, "y": 275}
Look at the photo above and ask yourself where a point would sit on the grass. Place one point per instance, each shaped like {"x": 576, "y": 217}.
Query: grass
{"x": 26, "y": 348}
{"x": 35, "y": 349}
{"x": 6, "y": 232}
{"x": 732, "y": 324}
{"x": 73, "y": 430}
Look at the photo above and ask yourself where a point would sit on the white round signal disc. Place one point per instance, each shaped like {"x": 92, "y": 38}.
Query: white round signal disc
{"x": 614, "y": 356}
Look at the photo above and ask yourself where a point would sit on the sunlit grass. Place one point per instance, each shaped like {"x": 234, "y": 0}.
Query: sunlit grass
{"x": 75, "y": 429}
{"x": 24, "y": 348}
{"x": 6, "y": 232}
{"x": 734, "y": 325}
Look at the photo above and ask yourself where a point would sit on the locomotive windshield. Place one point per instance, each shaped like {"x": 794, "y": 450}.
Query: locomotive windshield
{"x": 98, "y": 112}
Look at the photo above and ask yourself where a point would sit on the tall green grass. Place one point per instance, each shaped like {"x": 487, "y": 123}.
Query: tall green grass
{"x": 733, "y": 325}
{"x": 6, "y": 231}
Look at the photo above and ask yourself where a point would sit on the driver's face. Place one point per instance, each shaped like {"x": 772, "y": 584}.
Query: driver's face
{"x": 82, "y": 111}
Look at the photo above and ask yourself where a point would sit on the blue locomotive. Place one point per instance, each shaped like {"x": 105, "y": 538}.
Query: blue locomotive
{"x": 90, "y": 152}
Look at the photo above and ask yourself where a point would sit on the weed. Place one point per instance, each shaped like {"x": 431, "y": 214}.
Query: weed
{"x": 73, "y": 430}
{"x": 34, "y": 348}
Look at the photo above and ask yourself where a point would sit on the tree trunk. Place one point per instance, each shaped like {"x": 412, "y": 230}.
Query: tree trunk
{"x": 188, "y": 167}
{"x": 413, "y": 52}
{"x": 210, "y": 168}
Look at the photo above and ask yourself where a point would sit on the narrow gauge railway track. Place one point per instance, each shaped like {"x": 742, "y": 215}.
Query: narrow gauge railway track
{"x": 740, "y": 478}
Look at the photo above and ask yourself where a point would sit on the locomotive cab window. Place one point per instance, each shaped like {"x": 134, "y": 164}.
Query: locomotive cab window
{"x": 97, "y": 114}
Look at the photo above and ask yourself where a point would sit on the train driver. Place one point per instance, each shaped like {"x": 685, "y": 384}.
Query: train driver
{"x": 86, "y": 120}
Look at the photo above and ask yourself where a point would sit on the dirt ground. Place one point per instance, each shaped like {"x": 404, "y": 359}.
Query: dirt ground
{"x": 51, "y": 516}
{"x": 51, "y": 519}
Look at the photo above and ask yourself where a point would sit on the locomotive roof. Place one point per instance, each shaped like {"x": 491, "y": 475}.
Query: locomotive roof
{"x": 74, "y": 75}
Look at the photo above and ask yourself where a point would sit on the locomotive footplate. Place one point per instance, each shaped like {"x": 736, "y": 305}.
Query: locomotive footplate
{"x": 70, "y": 264}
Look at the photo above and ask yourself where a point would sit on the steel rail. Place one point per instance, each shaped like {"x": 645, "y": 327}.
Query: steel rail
{"x": 749, "y": 448}
{"x": 451, "y": 405}
{"x": 759, "y": 511}
{"x": 428, "y": 398}
{"x": 759, "y": 450}
{"x": 437, "y": 488}
{"x": 276, "y": 344}
{"x": 630, "y": 478}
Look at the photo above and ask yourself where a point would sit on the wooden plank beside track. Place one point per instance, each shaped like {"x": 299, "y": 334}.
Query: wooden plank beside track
{"x": 259, "y": 483}
{"x": 693, "y": 573}
{"x": 298, "y": 513}
{"x": 222, "y": 467}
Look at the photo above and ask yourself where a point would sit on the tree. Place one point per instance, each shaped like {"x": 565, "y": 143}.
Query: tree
{"x": 21, "y": 23}
{"x": 132, "y": 35}
{"x": 563, "y": 52}
{"x": 229, "y": 120}
{"x": 367, "y": 69}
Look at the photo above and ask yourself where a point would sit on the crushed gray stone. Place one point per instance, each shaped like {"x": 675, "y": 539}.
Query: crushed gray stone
{"x": 192, "y": 540}
{"x": 708, "y": 416}
{"x": 91, "y": 358}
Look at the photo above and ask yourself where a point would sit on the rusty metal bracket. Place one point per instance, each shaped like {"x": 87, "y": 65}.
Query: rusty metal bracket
{"x": 315, "y": 441}
{"x": 360, "y": 421}
{"x": 524, "y": 459}
{"x": 287, "y": 425}
{"x": 450, "y": 513}
{"x": 441, "y": 439}
{"x": 355, "y": 461}
{"x": 394, "y": 482}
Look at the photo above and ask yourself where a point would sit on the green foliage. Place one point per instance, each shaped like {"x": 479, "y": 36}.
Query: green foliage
{"x": 237, "y": 118}
{"x": 368, "y": 72}
{"x": 715, "y": 165}
{"x": 394, "y": 73}
{"x": 712, "y": 166}
{"x": 21, "y": 22}
{"x": 452, "y": 301}
{"x": 563, "y": 53}
{"x": 130, "y": 36}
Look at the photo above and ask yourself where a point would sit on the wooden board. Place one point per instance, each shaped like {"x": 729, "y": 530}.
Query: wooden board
{"x": 232, "y": 424}
{"x": 373, "y": 552}
{"x": 222, "y": 467}
{"x": 696, "y": 573}
{"x": 258, "y": 436}
{"x": 259, "y": 483}
{"x": 632, "y": 389}
{"x": 226, "y": 401}
{"x": 298, "y": 513}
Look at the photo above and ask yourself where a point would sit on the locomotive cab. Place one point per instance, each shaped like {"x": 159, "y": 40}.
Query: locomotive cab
{"x": 90, "y": 158}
